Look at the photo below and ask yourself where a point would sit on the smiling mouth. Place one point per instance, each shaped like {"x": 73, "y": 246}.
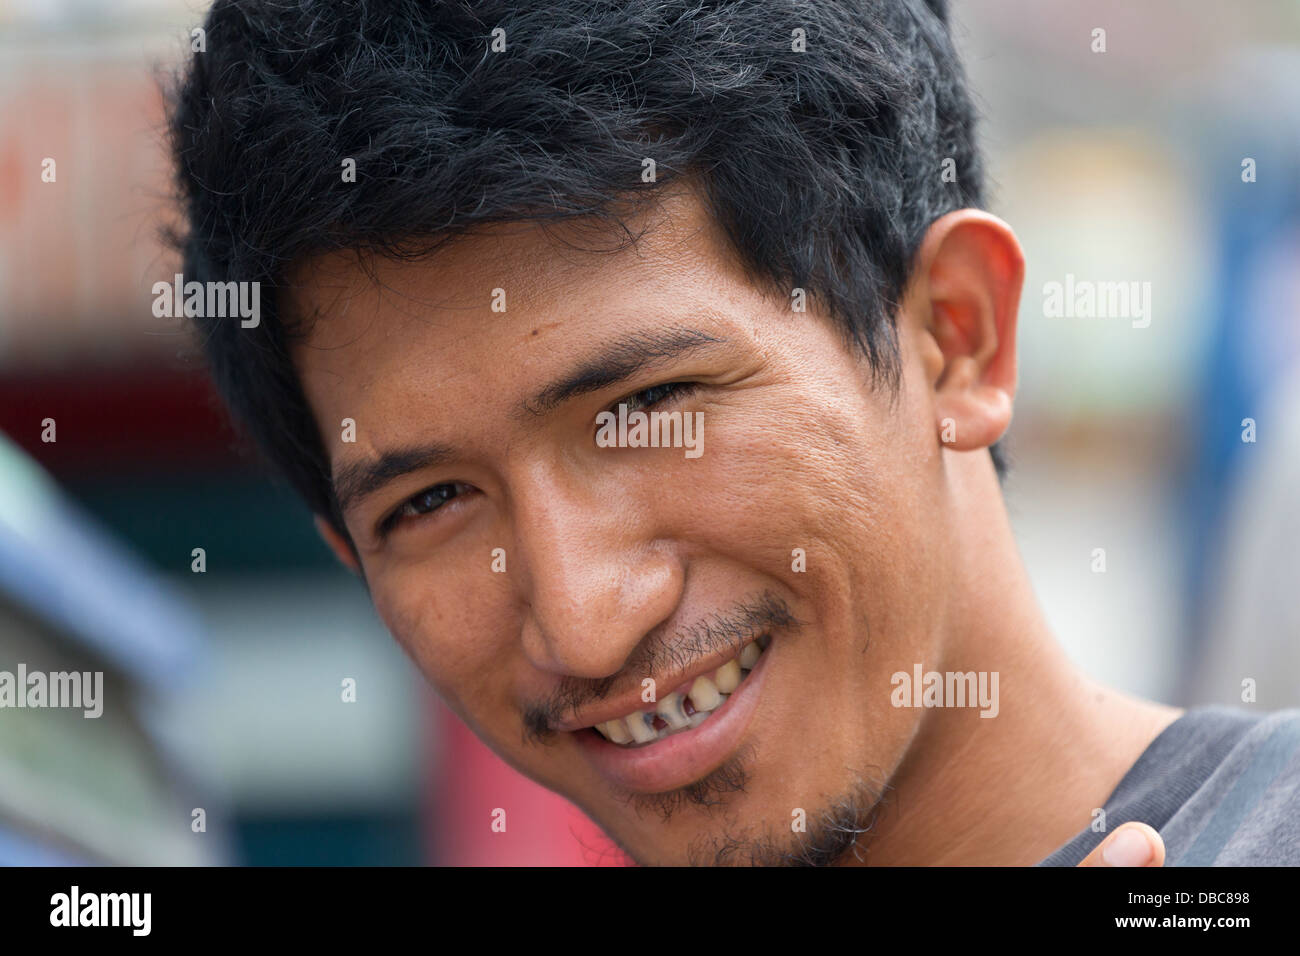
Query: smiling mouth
{"x": 688, "y": 706}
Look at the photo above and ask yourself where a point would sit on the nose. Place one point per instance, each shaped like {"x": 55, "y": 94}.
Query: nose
{"x": 594, "y": 580}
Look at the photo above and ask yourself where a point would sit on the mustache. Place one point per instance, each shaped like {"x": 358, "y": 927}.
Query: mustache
{"x": 662, "y": 654}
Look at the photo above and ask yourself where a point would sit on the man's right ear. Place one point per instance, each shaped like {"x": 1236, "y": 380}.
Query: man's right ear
{"x": 338, "y": 544}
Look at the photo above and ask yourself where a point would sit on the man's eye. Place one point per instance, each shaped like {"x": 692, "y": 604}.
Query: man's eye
{"x": 648, "y": 397}
{"x": 426, "y": 502}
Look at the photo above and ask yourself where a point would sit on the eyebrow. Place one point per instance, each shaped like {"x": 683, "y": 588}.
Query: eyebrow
{"x": 360, "y": 479}
{"x": 620, "y": 361}
{"x": 616, "y": 362}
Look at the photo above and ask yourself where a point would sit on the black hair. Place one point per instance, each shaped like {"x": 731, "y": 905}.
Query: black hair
{"x": 819, "y": 131}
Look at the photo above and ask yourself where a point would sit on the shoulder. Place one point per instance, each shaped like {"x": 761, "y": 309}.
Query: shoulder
{"x": 1247, "y": 811}
{"x": 1220, "y": 784}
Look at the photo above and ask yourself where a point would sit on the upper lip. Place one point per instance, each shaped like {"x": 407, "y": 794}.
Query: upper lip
{"x": 625, "y": 704}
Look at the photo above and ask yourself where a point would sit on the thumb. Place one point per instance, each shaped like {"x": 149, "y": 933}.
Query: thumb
{"x": 1133, "y": 844}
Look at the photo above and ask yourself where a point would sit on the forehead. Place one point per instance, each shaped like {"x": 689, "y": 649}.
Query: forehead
{"x": 390, "y": 334}
{"x": 541, "y": 270}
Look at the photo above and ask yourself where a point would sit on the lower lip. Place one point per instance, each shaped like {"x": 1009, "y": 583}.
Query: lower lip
{"x": 684, "y": 757}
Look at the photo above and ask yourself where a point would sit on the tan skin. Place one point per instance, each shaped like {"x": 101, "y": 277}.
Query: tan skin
{"x": 910, "y": 557}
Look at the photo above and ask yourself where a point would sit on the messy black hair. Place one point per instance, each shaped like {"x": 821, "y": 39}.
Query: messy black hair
{"x": 819, "y": 132}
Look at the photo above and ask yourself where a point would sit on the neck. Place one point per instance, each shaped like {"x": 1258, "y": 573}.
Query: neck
{"x": 1010, "y": 789}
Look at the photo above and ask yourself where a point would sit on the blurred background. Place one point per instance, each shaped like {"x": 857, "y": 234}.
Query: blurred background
{"x": 1130, "y": 448}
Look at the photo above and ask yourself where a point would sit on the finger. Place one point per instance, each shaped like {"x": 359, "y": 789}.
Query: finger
{"x": 1133, "y": 844}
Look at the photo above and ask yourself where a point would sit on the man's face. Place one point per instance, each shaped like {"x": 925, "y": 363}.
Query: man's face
{"x": 539, "y": 578}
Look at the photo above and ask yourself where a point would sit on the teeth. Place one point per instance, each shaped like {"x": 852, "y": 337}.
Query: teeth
{"x": 727, "y": 677}
{"x": 640, "y": 730}
{"x": 616, "y": 730}
{"x": 704, "y": 695}
{"x": 670, "y": 709}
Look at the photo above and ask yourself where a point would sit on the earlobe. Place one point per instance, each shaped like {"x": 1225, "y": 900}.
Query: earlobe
{"x": 968, "y": 278}
{"x": 338, "y": 544}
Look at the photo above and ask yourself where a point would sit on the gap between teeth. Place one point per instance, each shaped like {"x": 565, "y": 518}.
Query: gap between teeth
{"x": 705, "y": 695}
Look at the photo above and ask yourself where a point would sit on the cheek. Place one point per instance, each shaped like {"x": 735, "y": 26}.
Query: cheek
{"x": 827, "y": 490}
{"x": 788, "y": 469}
{"x": 445, "y": 621}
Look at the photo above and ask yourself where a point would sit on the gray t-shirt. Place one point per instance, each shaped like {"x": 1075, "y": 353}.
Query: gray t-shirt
{"x": 1221, "y": 784}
